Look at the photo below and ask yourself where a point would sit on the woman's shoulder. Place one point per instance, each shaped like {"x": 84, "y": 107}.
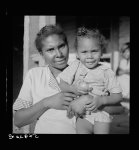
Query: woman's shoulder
{"x": 123, "y": 61}
{"x": 123, "y": 64}
{"x": 36, "y": 71}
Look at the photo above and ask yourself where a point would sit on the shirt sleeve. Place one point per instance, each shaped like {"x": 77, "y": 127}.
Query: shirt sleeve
{"x": 122, "y": 64}
{"x": 24, "y": 99}
{"x": 113, "y": 85}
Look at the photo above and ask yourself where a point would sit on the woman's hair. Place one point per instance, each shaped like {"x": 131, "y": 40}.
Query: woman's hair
{"x": 83, "y": 32}
{"x": 47, "y": 31}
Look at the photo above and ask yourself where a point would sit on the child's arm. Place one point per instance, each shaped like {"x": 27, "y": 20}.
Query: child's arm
{"x": 103, "y": 101}
{"x": 114, "y": 98}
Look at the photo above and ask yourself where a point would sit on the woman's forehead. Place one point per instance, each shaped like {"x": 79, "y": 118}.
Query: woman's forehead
{"x": 53, "y": 40}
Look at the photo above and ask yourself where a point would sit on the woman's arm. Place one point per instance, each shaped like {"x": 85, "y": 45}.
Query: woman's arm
{"x": 121, "y": 71}
{"x": 121, "y": 67}
{"x": 26, "y": 116}
{"x": 58, "y": 101}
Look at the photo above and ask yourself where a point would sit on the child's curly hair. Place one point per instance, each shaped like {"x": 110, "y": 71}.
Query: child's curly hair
{"x": 83, "y": 32}
{"x": 47, "y": 31}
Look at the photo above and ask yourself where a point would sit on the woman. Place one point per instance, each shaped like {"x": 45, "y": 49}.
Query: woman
{"x": 40, "y": 97}
{"x": 123, "y": 71}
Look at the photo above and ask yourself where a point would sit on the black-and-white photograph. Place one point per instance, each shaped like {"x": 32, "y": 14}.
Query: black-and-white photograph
{"x": 54, "y": 91}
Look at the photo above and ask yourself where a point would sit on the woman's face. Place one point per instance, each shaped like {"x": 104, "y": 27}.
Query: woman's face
{"x": 126, "y": 54}
{"x": 55, "y": 51}
{"x": 89, "y": 52}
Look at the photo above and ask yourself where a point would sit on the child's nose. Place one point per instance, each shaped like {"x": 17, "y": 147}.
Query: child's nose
{"x": 89, "y": 55}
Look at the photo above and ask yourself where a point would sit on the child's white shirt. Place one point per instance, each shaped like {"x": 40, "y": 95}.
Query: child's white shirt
{"x": 101, "y": 78}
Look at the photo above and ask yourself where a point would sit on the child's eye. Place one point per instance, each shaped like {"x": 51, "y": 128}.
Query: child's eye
{"x": 95, "y": 51}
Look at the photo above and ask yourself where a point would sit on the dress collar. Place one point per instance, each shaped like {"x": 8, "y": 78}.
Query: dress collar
{"x": 53, "y": 82}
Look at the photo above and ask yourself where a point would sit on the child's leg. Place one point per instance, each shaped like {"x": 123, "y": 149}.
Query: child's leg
{"x": 101, "y": 127}
{"x": 83, "y": 126}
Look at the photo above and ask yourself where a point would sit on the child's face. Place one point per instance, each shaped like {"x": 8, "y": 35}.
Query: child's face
{"x": 89, "y": 52}
{"x": 55, "y": 51}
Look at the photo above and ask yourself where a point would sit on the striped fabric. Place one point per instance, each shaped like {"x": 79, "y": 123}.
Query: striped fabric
{"x": 53, "y": 83}
{"x": 20, "y": 103}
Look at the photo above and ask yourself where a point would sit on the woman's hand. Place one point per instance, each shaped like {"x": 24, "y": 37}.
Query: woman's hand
{"x": 78, "y": 106}
{"x": 60, "y": 101}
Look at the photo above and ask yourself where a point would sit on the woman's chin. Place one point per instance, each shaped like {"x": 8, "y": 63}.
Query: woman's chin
{"x": 61, "y": 66}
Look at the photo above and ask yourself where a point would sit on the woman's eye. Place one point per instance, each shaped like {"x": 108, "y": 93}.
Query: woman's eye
{"x": 94, "y": 51}
{"x": 84, "y": 51}
{"x": 50, "y": 50}
{"x": 62, "y": 46}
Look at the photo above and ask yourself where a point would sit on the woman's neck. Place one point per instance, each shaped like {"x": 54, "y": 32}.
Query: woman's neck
{"x": 55, "y": 71}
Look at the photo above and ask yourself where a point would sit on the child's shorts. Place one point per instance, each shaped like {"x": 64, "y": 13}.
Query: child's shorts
{"x": 100, "y": 116}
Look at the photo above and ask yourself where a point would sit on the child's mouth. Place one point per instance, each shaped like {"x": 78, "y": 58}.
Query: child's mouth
{"x": 90, "y": 63}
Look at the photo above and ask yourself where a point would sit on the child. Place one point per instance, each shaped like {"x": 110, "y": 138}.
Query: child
{"x": 95, "y": 79}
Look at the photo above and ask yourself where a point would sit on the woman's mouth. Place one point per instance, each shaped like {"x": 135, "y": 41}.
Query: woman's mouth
{"x": 61, "y": 61}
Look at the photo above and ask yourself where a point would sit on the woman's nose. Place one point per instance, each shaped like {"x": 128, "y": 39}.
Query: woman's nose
{"x": 58, "y": 53}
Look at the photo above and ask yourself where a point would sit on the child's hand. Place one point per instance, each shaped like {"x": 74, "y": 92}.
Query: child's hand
{"x": 94, "y": 104}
